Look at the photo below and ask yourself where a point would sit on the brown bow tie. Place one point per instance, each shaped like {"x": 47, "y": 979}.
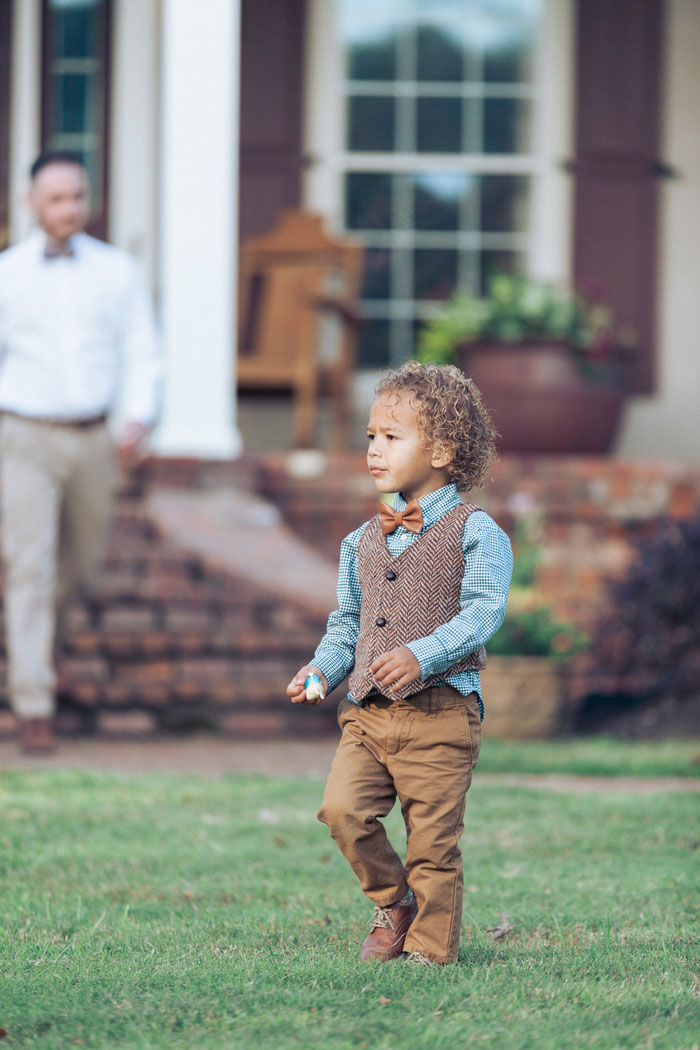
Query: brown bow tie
{"x": 411, "y": 518}
{"x": 59, "y": 251}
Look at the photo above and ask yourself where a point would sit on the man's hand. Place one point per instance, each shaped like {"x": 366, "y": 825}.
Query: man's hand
{"x": 395, "y": 669}
{"x": 296, "y": 690}
{"x": 130, "y": 445}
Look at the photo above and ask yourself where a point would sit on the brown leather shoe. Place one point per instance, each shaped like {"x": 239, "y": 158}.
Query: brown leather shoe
{"x": 37, "y": 736}
{"x": 389, "y": 929}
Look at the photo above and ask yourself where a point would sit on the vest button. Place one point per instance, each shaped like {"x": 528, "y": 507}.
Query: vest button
{"x": 390, "y": 574}
{"x": 380, "y": 621}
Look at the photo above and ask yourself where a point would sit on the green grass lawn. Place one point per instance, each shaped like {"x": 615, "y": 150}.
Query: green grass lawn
{"x": 170, "y": 911}
{"x": 593, "y": 756}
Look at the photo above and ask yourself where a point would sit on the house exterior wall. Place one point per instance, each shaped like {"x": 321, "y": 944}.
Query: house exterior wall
{"x": 666, "y": 424}
{"x": 663, "y": 424}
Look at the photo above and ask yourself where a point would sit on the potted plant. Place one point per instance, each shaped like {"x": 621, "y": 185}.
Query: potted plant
{"x": 525, "y": 679}
{"x": 549, "y": 363}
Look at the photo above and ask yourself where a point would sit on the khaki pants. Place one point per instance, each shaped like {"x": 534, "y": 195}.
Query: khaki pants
{"x": 421, "y": 751}
{"x": 55, "y": 492}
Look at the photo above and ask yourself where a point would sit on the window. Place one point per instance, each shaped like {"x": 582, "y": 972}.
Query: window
{"x": 438, "y": 161}
{"x": 75, "y": 36}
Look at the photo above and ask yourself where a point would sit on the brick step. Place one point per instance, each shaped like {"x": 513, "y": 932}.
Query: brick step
{"x": 170, "y": 641}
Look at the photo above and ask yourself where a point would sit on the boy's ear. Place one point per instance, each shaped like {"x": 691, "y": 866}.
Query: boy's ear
{"x": 442, "y": 456}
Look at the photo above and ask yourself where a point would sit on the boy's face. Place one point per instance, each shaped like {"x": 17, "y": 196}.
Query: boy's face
{"x": 399, "y": 457}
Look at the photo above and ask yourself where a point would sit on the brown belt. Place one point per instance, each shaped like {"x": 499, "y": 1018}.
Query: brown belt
{"x": 84, "y": 423}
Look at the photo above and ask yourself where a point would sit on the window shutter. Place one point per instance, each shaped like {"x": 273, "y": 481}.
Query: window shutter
{"x": 272, "y": 50}
{"x": 616, "y": 166}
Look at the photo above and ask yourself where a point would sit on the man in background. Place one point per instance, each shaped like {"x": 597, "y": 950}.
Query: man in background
{"x": 76, "y": 331}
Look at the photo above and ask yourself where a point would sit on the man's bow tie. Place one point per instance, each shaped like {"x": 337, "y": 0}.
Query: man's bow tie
{"x": 58, "y": 251}
{"x": 411, "y": 518}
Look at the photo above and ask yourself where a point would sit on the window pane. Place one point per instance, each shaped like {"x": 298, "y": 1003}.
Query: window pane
{"x": 439, "y": 125}
{"x": 377, "y": 274}
{"x": 370, "y": 123}
{"x": 372, "y": 60}
{"x": 434, "y": 273}
{"x": 439, "y": 201}
{"x": 505, "y": 203}
{"x": 373, "y": 350}
{"x": 77, "y": 31}
{"x": 507, "y": 125}
{"x": 370, "y": 32}
{"x": 71, "y": 103}
{"x": 367, "y": 201}
{"x": 438, "y": 54}
{"x": 509, "y": 58}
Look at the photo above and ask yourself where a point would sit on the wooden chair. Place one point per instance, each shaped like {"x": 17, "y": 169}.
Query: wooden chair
{"x": 291, "y": 278}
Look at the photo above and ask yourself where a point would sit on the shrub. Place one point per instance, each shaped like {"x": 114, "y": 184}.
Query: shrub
{"x": 535, "y": 631}
{"x": 651, "y": 627}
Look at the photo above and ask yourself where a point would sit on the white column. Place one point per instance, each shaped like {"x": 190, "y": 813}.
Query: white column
{"x": 25, "y": 119}
{"x": 198, "y": 231}
{"x": 135, "y": 123}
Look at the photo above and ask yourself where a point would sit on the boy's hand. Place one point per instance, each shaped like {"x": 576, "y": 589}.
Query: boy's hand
{"x": 296, "y": 690}
{"x": 396, "y": 668}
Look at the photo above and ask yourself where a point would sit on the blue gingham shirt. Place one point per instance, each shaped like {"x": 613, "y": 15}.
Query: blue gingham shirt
{"x": 488, "y": 568}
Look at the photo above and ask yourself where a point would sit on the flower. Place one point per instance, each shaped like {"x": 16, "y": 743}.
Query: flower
{"x": 520, "y": 309}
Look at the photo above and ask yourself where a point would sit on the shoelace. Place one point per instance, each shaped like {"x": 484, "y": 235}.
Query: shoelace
{"x": 381, "y": 918}
{"x": 418, "y": 957}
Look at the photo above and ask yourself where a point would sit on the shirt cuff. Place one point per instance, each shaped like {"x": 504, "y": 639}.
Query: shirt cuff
{"x": 333, "y": 668}
{"x": 424, "y": 651}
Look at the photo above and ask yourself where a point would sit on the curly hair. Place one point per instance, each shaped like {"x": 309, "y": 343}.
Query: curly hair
{"x": 451, "y": 414}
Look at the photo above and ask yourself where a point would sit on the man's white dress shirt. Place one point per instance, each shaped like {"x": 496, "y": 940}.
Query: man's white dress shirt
{"x": 75, "y": 332}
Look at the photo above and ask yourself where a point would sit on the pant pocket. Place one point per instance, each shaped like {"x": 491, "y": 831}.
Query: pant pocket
{"x": 343, "y": 713}
{"x": 472, "y": 715}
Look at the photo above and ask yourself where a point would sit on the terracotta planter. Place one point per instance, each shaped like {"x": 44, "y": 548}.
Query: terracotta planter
{"x": 540, "y": 400}
{"x": 524, "y": 697}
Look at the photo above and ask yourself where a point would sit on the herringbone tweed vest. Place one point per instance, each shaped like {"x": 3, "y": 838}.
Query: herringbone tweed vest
{"x": 408, "y": 597}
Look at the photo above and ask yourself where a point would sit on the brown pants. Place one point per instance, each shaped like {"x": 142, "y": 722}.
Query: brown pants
{"x": 56, "y": 484}
{"x": 421, "y": 750}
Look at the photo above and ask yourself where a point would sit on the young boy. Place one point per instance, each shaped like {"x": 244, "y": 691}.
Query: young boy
{"x": 420, "y": 590}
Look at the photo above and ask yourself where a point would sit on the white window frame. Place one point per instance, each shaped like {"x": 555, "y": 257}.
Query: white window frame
{"x": 547, "y": 247}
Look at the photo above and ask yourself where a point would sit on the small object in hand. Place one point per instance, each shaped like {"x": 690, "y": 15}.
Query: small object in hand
{"x": 314, "y": 688}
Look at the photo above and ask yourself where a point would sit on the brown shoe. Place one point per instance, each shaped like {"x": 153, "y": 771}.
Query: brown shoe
{"x": 389, "y": 929}
{"x": 36, "y": 736}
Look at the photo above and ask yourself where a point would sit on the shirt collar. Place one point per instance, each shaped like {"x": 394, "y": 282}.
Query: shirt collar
{"x": 76, "y": 242}
{"x": 435, "y": 505}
